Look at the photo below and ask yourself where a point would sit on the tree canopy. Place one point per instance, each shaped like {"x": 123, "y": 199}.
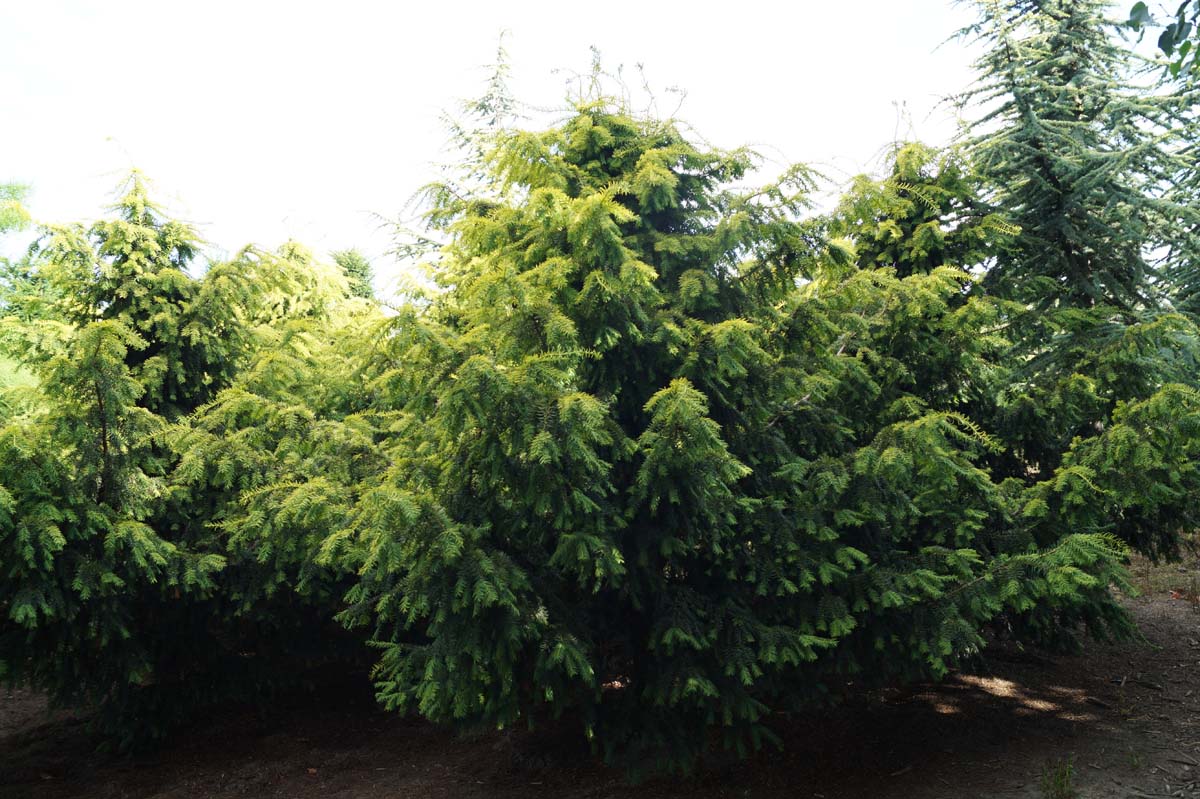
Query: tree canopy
{"x": 658, "y": 452}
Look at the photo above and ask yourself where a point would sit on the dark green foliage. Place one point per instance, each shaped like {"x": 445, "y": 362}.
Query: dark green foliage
{"x": 276, "y": 463}
{"x": 358, "y": 272}
{"x": 1083, "y": 163}
{"x": 929, "y": 212}
{"x": 112, "y": 575}
{"x": 1074, "y": 155}
{"x": 657, "y": 453}
{"x": 181, "y": 344}
{"x": 644, "y": 477}
{"x": 96, "y": 601}
{"x": 1176, "y": 34}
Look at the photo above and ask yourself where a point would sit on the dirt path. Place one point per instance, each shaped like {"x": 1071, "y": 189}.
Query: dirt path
{"x": 1126, "y": 718}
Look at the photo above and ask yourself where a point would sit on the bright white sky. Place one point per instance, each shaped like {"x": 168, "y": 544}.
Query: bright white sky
{"x": 263, "y": 121}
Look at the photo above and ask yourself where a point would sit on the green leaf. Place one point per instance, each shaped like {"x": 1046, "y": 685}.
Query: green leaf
{"x": 1139, "y": 15}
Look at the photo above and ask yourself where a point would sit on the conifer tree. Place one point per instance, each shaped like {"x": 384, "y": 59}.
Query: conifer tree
{"x": 1081, "y": 159}
{"x": 275, "y": 464}
{"x": 358, "y": 272}
{"x": 1075, "y": 155}
{"x": 930, "y": 211}
{"x": 660, "y": 463}
{"x": 13, "y": 216}
{"x": 656, "y": 453}
{"x": 109, "y": 575}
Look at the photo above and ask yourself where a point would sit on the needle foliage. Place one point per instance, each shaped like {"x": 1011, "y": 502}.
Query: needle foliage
{"x": 656, "y": 453}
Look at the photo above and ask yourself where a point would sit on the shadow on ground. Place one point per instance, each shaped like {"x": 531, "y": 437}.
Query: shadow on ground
{"x": 1124, "y": 719}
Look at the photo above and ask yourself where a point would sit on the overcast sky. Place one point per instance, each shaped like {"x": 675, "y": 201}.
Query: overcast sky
{"x": 263, "y": 121}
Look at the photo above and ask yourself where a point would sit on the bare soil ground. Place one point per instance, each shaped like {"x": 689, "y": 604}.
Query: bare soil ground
{"x": 1117, "y": 721}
